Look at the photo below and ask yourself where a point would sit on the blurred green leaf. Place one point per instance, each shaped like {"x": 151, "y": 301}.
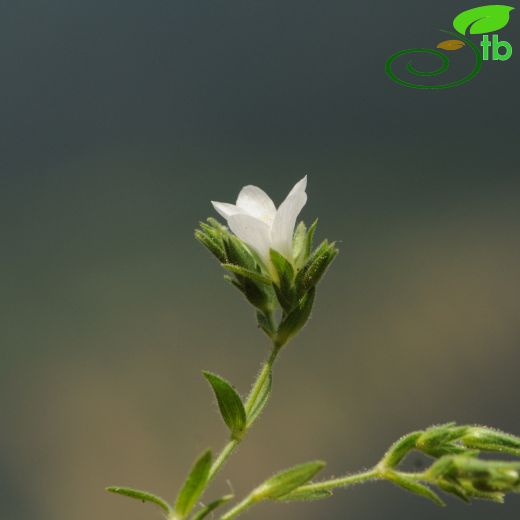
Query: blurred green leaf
{"x": 194, "y": 485}
{"x": 288, "y": 480}
{"x": 143, "y": 496}
{"x": 415, "y": 487}
{"x": 229, "y": 403}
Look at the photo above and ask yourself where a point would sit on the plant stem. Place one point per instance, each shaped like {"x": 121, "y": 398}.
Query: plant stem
{"x": 230, "y": 447}
{"x": 260, "y": 379}
{"x": 348, "y": 480}
{"x": 239, "y": 508}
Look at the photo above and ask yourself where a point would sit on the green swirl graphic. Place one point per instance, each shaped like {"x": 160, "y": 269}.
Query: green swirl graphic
{"x": 445, "y": 62}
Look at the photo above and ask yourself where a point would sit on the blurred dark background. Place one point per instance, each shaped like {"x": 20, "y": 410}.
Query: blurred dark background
{"x": 120, "y": 121}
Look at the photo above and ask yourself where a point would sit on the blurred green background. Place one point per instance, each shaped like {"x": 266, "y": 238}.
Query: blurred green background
{"x": 120, "y": 121}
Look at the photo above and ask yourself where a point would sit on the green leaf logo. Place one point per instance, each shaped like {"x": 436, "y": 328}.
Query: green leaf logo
{"x": 482, "y": 20}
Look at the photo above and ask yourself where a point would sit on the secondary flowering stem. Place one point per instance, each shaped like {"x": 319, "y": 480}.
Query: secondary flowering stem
{"x": 348, "y": 480}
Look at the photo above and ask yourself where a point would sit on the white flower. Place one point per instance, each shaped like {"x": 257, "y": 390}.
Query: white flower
{"x": 256, "y": 221}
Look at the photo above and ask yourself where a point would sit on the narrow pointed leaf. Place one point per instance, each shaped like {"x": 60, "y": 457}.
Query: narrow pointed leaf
{"x": 229, "y": 403}
{"x": 306, "y": 495}
{"x": 206, "y": 510}
{"x": 252, "y": 275}
{"x": 143, "y": 496}
{"x": 261, "y": 400}
{"x": 194, "y": 485}
{"x": 286, "y": 481}
{"x": 417, "y": 488}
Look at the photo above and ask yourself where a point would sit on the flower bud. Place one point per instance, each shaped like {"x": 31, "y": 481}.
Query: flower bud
{"x": 489, "y": 439}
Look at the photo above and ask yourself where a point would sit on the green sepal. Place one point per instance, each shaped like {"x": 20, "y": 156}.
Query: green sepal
{"x": 283, "y": 285}
{"x": 265, "y": 322}
{"x": 302, "y": 243}
{"x": 288, "y": 480}
{"x": 229, "y": 403}
{"x": 440, "y": 440}
{"x": 415, "y": 487}
{"x": 306, "y": 495}
{"x": 455, "y": 489}
{"x": 255, "y": 276}
{"x": 314, "y": 269}
{"x": 261, "y": 400}
{"x": 299, "y": 239}
{"x": 211, "y": 244}
{"x": 193, "y": 485}
{"x": 238, "y": 253}
{"x": 489, "y": 439}
{"x": 206, "y": 510}
{"x": 258, "y": 295}
{"x": 296, "y": 319}
{"x": 143, "y": 496}
{"x": 398, "y": 451}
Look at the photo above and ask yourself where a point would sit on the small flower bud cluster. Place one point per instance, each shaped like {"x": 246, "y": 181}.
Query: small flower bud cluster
{"x": 467, "y": 476}
{"x": 457, "y": 469}
{"x": 288, "y": 284}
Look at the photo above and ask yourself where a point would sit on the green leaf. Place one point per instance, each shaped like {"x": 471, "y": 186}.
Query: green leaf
{"x": 296, "y": 319}
{"x": 415, "y": 487}
{"x": 261, "y": 400}
{"x": 284, "y": 285}
{"x": 288, "y": 480}
{"x": 252, "y": 275}
{"x": 144, "y": 496}
{"x": 229, "y": 403}
{"x": 194, "y": 485}
{"x": 306, "y": 495}
{"x": 482, "y": 20}
{"x": 206, "y": 510}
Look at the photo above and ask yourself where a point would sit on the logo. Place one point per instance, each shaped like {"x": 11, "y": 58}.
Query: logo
{"x": 478, "y": 21}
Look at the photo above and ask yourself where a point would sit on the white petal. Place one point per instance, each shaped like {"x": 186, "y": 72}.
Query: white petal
{"x": 285, "y": 219}
{"x": 257, "y": 203}
{"x": 226, "y": 210}
{"x": 253, "y": 232}
{"x": 300, "y": 186}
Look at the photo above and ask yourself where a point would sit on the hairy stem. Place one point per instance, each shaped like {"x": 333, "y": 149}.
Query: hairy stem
{"x": 230, "y": 447}
{"x": 348, "y": 480}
